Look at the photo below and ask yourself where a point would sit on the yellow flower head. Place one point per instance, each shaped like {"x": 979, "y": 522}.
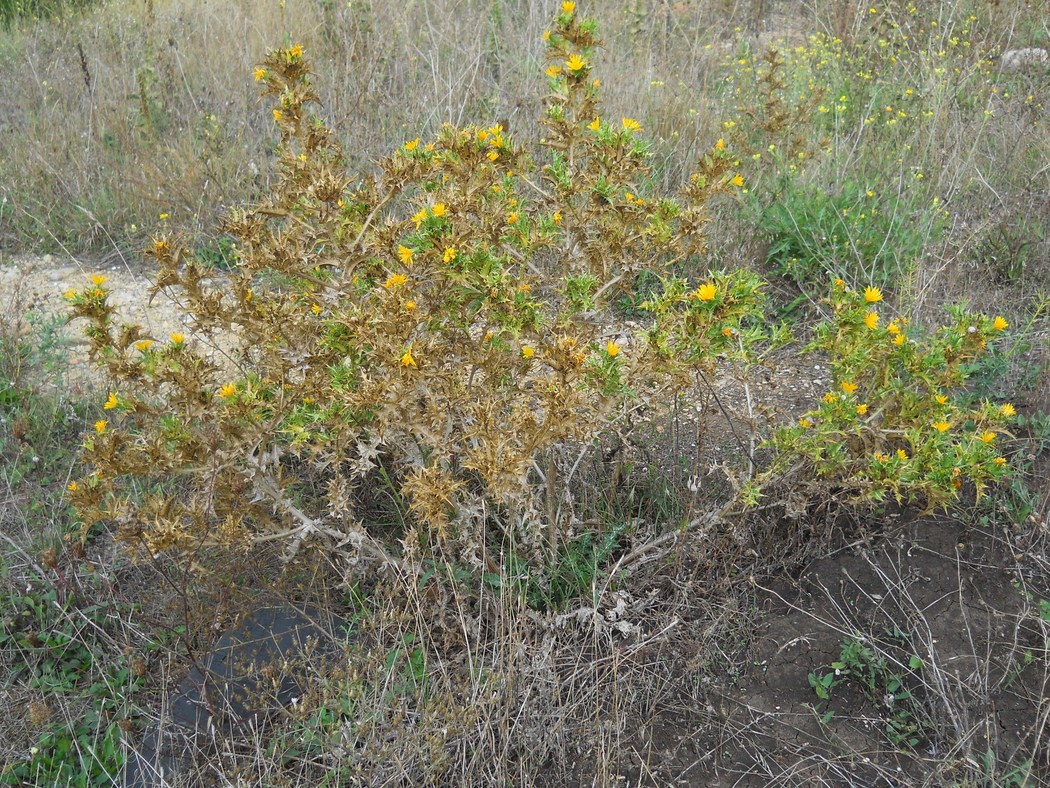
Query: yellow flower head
{"x": 316, "y": 309}
{"x": 595, "y": 124}
{"x": 407, "y": 360}
{"x": 872, "y": 295}
{"x": 296, "y": 51}
{"x": 492, "y": 155}
{"x": 553, "y": 70}
{"x": 395, "y": 280}
{"x": 260, "y": 74}
{"x": 871, "y": 320}
{"x": 227, "y": 390}
{"x": 738, "y": 181}
{"x": 177, "y": 338}
{"x": 528, "y": 352}
{"x": 100, "y": 426}
{"x": 70, "y": 294}
{"x": 706, "y": 292}
{"x": 575, "y": 63}
{"x": 546, "y": 35}
{"x": 98, "y": 279}
{"x": 848, "y": 387}
{"x": 999, "y": 323}
{"x": 987, "y": 436}
{"x": 630, "y": 124}
{"x": 450, "y": 254}
{"x": 942, "y": 399}
{"x": 901, "y": 454}
{"x": 612, "y": 349}
{"x": 277, "y": 115}
{"x": 144, "y": 344}
{"x": 893, "y": 328}
{"x": 439, "y": 210}
{"x": 805, "y": 423}
{"x": 1008, "y": 410}
{"x": 568, "y": 7}
{"x": 862, "y": 409}
{"x": 512, "y": 218}
{"x": 557, "y": 217}
{"x": 830, "y": 398}
{"x": 420, "y": 217}
{"x": 412, "y": 144}
{"x": 941, "y": 426}
{"x": 721, "y": 144}
{"x": 410, "y": 305}
{"x": 898, "y": 340}
{"x": 880, "y": 457}
{"x": 405, "y": 254}
{"x": 111, "y": 402}
{"x": 72, "y": 486}
{"x": 1000, "y": 461}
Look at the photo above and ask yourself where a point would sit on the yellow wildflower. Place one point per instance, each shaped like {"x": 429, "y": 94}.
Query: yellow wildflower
{"x": 98, "y": 279}
{"x": 1000, "y": 461}
{"x": 568, "y": 7}
{"x": 492, "y": 155}
{"x": 407, "y": 360}
{"x": 316, "y": 309}
{"x": 999, "y": 323}
{"x": 395, "y": 280}
{"x": 512, "y": 218}
{"x": 987, "y": 436}
{"x": 227, "y": 390}
{"x": 595, "y": 124}
{"x": 260, "y": 74}
{"x": 177, "y": 338}
{"x": 706, "y": 292}
{"x": 901, "y": 454}
{"x": 871, "y": 320}
{"x": 557, "y": 217}
{"x": 575, "y": 63}
{"x": 546, "y": 35}
{"x": 420, "y": 217}
{"x": 880, "y": 457}
{"x": 553, "y": 70}
{"x": 70, "y": 294}
{"x": 410, "y": 305}
{"x": 72, "y": 486}
{"x": 862, "y": 409}
{"x": 941, "y": 399}
{"x": 450, "y": 254}
{"x": 893, "y": 328}
{"x": 941, "y": 426}
{"x": 527, "y": 352}
{"x": 412, "y": 144}
{"x": 872, "y": 295}
{"x": 612, "y": 349}
{"x": 144, "y": 344}
{"x": 721, "y": 144}
{"x": 830, "y": 398}
{"x": 738, "y": 181}
{"x": 630, "y": 124}
{"x": 405, "y": 254}
{"x": 840, "y": 284}
{"x": 277, "y": 115}
{"x": 898, "y": 340}
{"x": 805, "y": 423}
{"x": 100, "y": 426}
{"x": 439, "y": 210}
{"x": 848, "y": 387}
{"x": 1008, "y": 410}
{"x": 296, "y": 51}
{"x": 111, "y": 402}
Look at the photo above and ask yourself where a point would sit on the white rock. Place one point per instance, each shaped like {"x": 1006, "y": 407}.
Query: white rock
{"x": 1017, "y": 59}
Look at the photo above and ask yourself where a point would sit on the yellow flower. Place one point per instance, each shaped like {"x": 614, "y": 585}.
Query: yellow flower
{"x": 177, "y": 338}
{"x": 893, "y": 328}
{"x": 410, "y": 305}
{"x": 941, "y": 426}
{"x": 595, "y": 124}
{"x": 612, "y": 349}
{"x": 72, "y": 486}
{"x": 706, "y": 292}
{"x": 316, "y": 309}
{"x": 880, "y": 457}
{"x": 100, "y": 426}
{"x": 872, "y": 295}
{"x": 898, "y": 340}
{"x": 1000, "y": 461}
{"x": 296, "y": 51}
{"x": 144, "y": 344}
{"x": 407, "y": 360}
{"x": 492, "y": 155}
{"x": 848, "y": 387}
{"x": 277, "y": 115}
{"x": 70, "y": 294}
{"x": 111, "y": 402}
{"x": 227, "y": 390}
{"x": 901, "y": 454}
{"x": 805, "y": 423}
{"x": 439, "y": 210}
{"x": 512, "y": 218}
{"x": 721, "y": 144}
{"x": 450, "y": 254}
{"x": 987, "y": 436}
{"x": 568, "y": 7}
{"x": 546, "y": 35}
{"x": 420, "y": 217}
{"x": 163, "y": 216}
{"x": 260, "y": 74}
{"x": 553, "y": 70}
{"x": 830, "y": 398}
{"x": 557, "y": 217}
{"x": 862, "y": 409}
{"x": 395, "y": 280}
{"x": 871, "y": 320}
{"x": 941, "y": 399}
{"x": 630, "y": 124}
{"x": 527, "y": 352}
{"x": 999, "y": 323}
{"x": 738, "y": 181}
{"x": 840, "y": 284}
{"x": 412, "y": 144}
{"x": 575, "y": 63}
{"x": 728, "y": 332}
{"x": 98, "y": 279}
{"x": 405, "y": 254}
{"x": 1008, "y": 410}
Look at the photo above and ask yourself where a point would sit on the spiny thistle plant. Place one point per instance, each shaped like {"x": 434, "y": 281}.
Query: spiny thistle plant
{"x": 448, "y": 323}
{"x": 894, "y": 423}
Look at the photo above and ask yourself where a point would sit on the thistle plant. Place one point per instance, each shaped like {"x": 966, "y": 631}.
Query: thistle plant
{"x": 447, "y": 323}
